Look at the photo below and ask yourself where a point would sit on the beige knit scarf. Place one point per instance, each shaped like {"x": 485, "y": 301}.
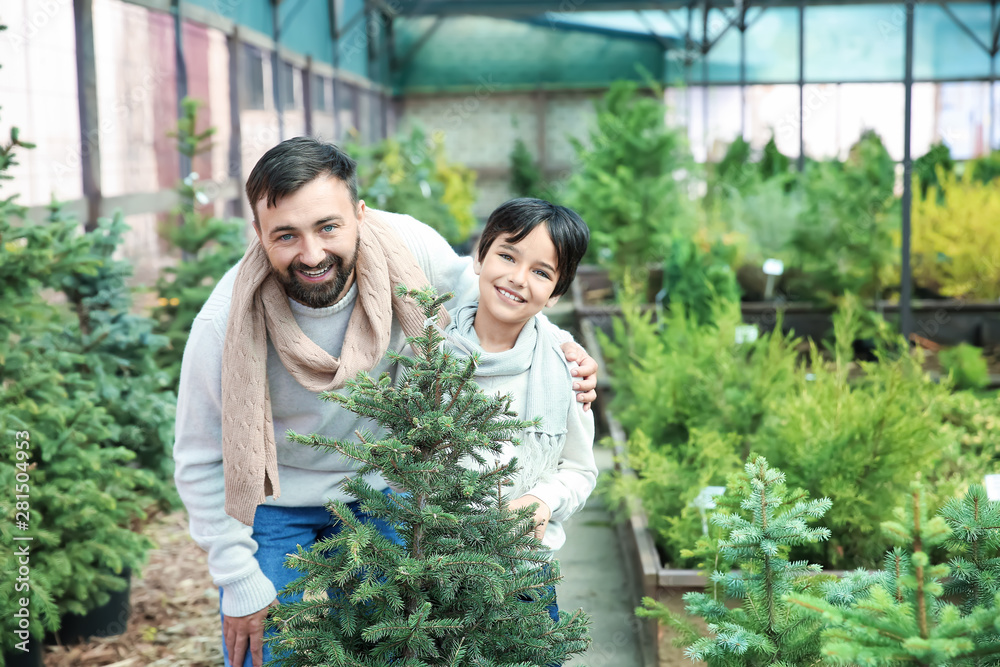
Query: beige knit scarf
{"x": 260, "y": 309}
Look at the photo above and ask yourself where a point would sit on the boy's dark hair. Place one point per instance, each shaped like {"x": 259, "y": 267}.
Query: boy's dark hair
{"x": 292, "y": 164}
{"x": 518, "y": 217}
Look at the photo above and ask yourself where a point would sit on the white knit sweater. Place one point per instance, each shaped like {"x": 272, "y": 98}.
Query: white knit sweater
{"x": 308, "y": 477}
{"x": 565, "y": 485}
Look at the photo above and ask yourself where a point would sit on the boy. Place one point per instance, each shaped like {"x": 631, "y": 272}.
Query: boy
{"x": 526, "y": 260}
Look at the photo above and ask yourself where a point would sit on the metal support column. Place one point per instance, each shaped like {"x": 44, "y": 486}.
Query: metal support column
{"x": 276, "y": 75}
{"x": 995, "y": 25}
{"x": 741, "y": 8}
{"x": 906, "y": 287}
{"x": 235, "y": 208}
{"x": 390, "y": 49}
{"x": 704, "y": 75}
{"x": 307, "y": 95}
{"x": 688, "y": 62}
{"x": 86, "y": 83}
{"x": 335, "y": 38}
{"x": 802, "y": 85}
{"x": 181, "y": 66}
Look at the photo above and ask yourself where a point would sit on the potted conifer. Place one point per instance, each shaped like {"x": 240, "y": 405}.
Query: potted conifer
{"x": 470, "y": 584}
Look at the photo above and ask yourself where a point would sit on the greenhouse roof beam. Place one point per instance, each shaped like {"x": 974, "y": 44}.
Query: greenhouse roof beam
{"x": 996, "y": 32}
{"x": 509, "y": 8}
{"x": 433, "y": 28}
{"x": 966, "y": 29}
{"x": 661, "y": 40}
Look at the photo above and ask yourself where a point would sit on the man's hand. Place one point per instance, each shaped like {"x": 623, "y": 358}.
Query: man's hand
{"x": 243, "y": 631}
{"x": 542, "y": 512}
{"x": 586, "y": 372}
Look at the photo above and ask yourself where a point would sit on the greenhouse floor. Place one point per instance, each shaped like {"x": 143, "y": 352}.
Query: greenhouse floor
{"x": 596, "y": 579}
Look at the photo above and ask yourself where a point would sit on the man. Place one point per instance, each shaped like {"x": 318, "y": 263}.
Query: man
{"x": 309, "y": 305}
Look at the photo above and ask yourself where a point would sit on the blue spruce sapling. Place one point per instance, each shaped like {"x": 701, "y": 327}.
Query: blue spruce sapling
{"x": 757, "y": 535}
{"x": 906, "y": 620}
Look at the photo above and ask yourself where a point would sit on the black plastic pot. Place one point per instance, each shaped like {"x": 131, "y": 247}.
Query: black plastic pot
{"x": 30, "y": 658}
{"x": 108, "y": 620}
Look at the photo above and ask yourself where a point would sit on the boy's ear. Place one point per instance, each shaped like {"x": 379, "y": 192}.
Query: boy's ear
{"x": 552, "y": 301}
{"x": 477, "y": 266}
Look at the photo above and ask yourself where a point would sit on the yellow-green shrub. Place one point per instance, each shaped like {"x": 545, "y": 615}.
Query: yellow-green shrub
{"x": 956, "y": 238}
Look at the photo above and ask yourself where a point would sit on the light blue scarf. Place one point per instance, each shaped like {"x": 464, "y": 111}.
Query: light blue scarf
{"x": 550, "y": 390}
{"x": 549, "y": 382}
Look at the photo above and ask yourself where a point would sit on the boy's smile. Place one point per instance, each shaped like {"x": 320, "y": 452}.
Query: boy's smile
{"x": 516, "y": 281}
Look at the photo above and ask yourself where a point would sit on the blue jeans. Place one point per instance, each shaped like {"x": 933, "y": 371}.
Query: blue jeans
{"x": 278, "y": 530}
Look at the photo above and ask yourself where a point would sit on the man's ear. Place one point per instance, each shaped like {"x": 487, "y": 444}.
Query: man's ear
{"x": 256, "y": 228}
{"x": 552, "y": 301}
{"x": 361, "y": 210}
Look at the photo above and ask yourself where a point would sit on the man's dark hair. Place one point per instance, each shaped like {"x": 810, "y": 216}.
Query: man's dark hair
{"x": 292, "y": 164}
{"x": 518, "y": 217}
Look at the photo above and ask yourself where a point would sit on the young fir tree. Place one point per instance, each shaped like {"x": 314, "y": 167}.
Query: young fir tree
{"x": 906, "y": 620}
{"x": 74, "y": 490}
{"x": 470, "y": 584}
{"x": 209, "y": 247}
{"x": 757, "y": 536}
{"x": 121, "y": 347}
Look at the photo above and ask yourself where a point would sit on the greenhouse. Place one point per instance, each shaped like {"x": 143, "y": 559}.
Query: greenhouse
{"x": 500, "y": 332}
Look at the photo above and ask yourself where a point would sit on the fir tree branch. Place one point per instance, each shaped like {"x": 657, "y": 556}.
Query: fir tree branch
{"x": 455, "y": 396}
{"x": 917, "y": 548}
{"x": 317, "y": 605}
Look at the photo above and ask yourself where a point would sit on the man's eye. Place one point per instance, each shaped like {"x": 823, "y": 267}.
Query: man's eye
{"x": 329, "y": 228}
{"x": 285, "y": 237}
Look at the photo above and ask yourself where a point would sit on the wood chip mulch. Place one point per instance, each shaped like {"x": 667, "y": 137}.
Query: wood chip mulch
{"x": 174, "y": 620}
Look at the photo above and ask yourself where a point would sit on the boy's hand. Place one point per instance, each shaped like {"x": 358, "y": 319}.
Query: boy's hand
{"x": 585, "y": 385}
{"x": 542, "y": 512}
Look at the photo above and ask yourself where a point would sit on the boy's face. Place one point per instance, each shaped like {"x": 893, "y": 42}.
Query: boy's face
{"x": 516, "y": 280}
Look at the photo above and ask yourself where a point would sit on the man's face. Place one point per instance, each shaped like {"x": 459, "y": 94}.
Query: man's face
{"x": 311, "y": 239}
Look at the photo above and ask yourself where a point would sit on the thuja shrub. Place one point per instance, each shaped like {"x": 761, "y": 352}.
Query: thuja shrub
{"x": 691, "y": 399}
{"x": 695, "y": 405}
{"x": 631, "y": 183}
{"x": 672, "y": 373}
{"x": 857, "y": 433}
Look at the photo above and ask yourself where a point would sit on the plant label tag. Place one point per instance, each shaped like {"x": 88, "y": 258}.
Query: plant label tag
{"x": 992, "y": 484}
{"x": 774, "y": 267}
{"x": 746, "y": 333}
{"x": 705, "y": 500}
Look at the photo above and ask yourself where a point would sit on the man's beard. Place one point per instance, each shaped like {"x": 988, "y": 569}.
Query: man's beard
{"x": 323, "y": 294}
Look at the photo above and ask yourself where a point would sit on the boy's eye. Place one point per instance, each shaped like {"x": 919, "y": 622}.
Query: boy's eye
{"x": 504, "y": 256}
{"x": 541, "y": 273}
